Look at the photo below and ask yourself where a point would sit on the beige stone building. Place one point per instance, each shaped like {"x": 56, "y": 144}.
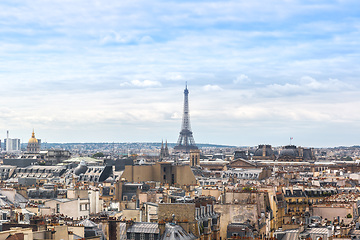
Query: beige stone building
{"x": 164, "y": 172}
{"x": 198, "y": 217}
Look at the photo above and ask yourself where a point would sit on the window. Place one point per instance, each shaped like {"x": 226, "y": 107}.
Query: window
{"x": 132, "y": 236}
{"x": 84, "y": 207}
{"x": 57, "y": 208}
{"x": 142, "y": 236}
{"x": 152, "y": 236}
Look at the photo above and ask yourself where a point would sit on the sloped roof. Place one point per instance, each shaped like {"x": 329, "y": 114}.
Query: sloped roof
{"x": 176, "y": 232}
{"x": 88, "y": 223}
{"x": 75, "y": 237}
{"x": 287, "y": 234}
{"x": 242, "y": 162}
{"x": 16, "y": 236}
{"x": 144, "y": 227}
{"x": 20, "y": 199}
{"x": 85, "y": 159}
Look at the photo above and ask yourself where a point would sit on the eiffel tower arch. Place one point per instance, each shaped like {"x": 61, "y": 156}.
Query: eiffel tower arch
{"x": 186, "y": 140}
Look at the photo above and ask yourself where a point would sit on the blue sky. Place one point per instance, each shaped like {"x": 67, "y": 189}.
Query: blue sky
{"x": 258, "y": 71}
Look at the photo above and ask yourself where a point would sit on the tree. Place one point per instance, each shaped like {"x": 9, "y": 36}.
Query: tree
{"x": 98, "y": 155}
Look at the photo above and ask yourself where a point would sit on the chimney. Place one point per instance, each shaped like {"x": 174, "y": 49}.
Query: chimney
{"x": 162, "y": 227}
{"x": 329, "y": 228}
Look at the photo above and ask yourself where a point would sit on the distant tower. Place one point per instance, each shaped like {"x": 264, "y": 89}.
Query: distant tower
{"x": 33, "y": 144}
{"x": 186, "y": 139}
{"x": 11, "y": 144}
{"x": 194, "y": 157}
{"x": 164, "y": 152}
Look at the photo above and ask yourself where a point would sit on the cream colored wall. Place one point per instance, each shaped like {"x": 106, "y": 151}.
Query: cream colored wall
{"x": 182, "y": 211}
{"x": 142, "y": 173}
{"x": 133, "y": 214}
{"x": 61, "y": 232}
{"x": 330, "y": 212}
{"x": 77, "y": 193}
{"x": 96, "y": 204}
{"x": 77, "y": 230}
{"x": 143, "y": 197}
{"x": 28, "y": 234}
{"x": 47, "y": 211}
{"x": 158, "y": 176}
{"x": 184, "y": 175}
{"x": 211, "y": 192}
{"x": 138, "y": 173}
{"x": 33, "y": 210}
{"x": 70, "y": 209}
{"x": 235, "y": 213}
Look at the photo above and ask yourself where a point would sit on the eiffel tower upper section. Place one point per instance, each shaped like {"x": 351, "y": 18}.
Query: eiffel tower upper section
{"x": 186, "y": 140}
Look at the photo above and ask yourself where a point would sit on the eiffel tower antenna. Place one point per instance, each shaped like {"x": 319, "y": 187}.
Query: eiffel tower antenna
{"x": 186, "y": 140}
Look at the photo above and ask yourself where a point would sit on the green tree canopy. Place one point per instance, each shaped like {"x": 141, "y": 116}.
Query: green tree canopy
{"x": 98, "y": 154}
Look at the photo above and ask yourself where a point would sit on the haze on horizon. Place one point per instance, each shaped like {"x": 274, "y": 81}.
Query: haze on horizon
{"x": 257, "y": 71}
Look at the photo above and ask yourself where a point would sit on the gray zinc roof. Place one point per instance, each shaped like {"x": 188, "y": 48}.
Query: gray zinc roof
{"x": 144, "y": 227}
{"x": 176, "y": 232}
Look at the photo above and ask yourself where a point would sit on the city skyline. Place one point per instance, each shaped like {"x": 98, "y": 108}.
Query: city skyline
{"x": 257, "y": 72}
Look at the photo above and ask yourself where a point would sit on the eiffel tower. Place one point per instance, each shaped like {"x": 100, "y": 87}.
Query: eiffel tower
{"x": 186, "y": 140}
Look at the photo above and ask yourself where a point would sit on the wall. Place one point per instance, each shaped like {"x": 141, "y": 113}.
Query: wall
{"x": 211, "y": 192}
{"x": 235, "y": 213}
{"x": 96, "y": 205}
{"x": 70, "y": 208}
{"x": 182, "y": 211}
{"x": 331, "y": 211}
{"x": 184, "y": 175}
{"x": 132, "y": 214}
{"x": 142, "y": 173}
{"x": 78, "y": 230}
{"x": 76, "y": 193}
{"x": 138, "y": 173}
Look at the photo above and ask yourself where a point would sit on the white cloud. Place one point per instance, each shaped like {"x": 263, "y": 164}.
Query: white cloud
{"x": 305, "y": 86}
{"x": 146, "y": 39}
{"x": 114, "y": 37}
{"x": 124, "y": 38}
{"x": 329, "y": 85}
{"x": 144, "y": 83}
{"x": 175, "y": 76}
{"x": 210, "y": 87}
{"x": 242, "y": 79}
{"x": 176, "y": 115}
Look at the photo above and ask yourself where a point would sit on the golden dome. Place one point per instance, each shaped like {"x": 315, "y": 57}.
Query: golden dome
{"x": 33, "y": 139}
